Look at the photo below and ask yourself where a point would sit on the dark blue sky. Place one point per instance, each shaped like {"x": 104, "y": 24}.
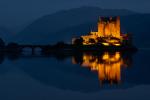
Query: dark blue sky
{"x": 35, "y": 5}
{"x": 14, "y": 13}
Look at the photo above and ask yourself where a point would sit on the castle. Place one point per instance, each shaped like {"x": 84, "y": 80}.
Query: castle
{"x": 108, "y": 33}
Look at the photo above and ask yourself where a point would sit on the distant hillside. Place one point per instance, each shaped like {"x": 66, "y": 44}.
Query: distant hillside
{"x": 139, "y": 26}
{"x": 64, "y": 25}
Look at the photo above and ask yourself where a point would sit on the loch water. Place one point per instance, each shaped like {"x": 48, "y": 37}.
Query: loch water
{"x": 80, "y": 76}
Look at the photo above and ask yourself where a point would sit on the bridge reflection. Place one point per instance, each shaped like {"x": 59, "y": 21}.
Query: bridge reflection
{"x": 108, "y": 65}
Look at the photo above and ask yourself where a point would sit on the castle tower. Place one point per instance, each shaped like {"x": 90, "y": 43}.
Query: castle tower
{"x": 109, "y": 26}
{"x": 100, "y": 27}
{"x": 118, "y": 27}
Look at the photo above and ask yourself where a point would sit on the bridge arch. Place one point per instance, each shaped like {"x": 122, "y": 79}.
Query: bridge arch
{"x": 33, "y": 49}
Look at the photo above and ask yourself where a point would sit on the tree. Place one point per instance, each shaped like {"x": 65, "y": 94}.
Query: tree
{"x": 2, "y": 44}
{"x": 13, "y": 47}
{"x": 78, "y": 41}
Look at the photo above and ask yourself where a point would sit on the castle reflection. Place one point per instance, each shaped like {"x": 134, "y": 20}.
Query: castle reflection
{"x": 108, "y": 65}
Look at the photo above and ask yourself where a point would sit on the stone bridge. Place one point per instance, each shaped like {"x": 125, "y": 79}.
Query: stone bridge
{"x": 34, "y": 47}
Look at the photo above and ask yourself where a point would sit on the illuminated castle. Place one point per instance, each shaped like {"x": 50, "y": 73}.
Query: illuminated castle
{"x": 108, "y": 33}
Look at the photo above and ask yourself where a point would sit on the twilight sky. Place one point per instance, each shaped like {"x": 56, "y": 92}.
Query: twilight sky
{"x": 21, "y": 12}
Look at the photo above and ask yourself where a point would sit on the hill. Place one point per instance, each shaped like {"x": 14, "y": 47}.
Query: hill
{"x": 64, "y": 25}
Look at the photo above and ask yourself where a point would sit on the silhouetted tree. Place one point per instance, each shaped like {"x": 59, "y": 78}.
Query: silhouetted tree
{"x": 13, "y": 47}
{"x": 60, "y": 44}
{"x": 78, "y": 41}
{"x": 2, "y": 44}
{"x": 46, "y": 50}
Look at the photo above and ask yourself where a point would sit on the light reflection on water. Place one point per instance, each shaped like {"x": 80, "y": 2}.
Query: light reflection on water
{"x": 82, "y": 71}
{"x": 108, "y": 65}
{"x": 34, "y": 77}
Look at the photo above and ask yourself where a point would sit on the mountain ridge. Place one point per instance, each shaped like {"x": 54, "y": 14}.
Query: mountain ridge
{"x": 66, "y": 24}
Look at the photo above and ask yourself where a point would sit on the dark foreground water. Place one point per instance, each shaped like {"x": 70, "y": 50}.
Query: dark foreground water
{"x": 88, "y": 76}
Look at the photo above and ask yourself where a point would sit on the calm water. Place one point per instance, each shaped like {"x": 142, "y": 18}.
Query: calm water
{"x": 82, "y": 76}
